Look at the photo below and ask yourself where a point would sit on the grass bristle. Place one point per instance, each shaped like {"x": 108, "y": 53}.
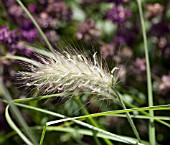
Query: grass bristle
{"x": 70, "y": 73}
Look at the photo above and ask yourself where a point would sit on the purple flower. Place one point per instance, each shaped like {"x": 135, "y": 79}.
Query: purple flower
{"x": 164, "y": 87}
{"x": 30, "y": 35}
{"x": 159, "y": 29}
{"x": 139, "y": 66}
{"x": 125, "y": 36}
{"x": 16, "y": 35}
{"x": 107, "y": 50}
{"x": 118, "y": 14}
{"x": 160, "y": 32}
{"x": 46, "y": 21}
{"x": 4, "y": 33}
{"x": 52, "y": 36}
{"x": 87, "y": 30}
{"x": 27, "y": 25}
{"x": 9, "y": 3}
{"x": 32, "y": 8}
{"x": 7, "y": 36}
{"x": 12, "y": 37}
{"x": 22, "y": 49}
{"x": 59, "y": 10}
{"x": 29, "y": 32}
{"x": 153, "y": 10}
{"x": 15, "y": 11}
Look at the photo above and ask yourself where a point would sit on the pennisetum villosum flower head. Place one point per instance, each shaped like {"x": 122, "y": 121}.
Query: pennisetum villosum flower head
{"x": 70, "y": 73}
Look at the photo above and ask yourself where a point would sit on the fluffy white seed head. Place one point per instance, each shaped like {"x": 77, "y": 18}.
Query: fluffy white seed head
{"x": 70, "y": 73}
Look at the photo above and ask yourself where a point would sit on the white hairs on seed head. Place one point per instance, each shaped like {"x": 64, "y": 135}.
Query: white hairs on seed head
{"x": 70, "y": 73}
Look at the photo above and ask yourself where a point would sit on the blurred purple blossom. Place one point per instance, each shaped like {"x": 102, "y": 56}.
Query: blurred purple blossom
{"x": 15, "y": 11}
{"x": 107, "y": 50}
{"x": 153, "y": 10}
{"x": 9, "y": 3}
{"x": 4, "y": 33}
{"x": 46, "y": 21}
{"x": 52, "y": 36}
{"x": 15, "y": 36}
{"x": 125, "y": 36}
{"x": 29, "y": 32}
{"x": 160, "y": 33}
{"x": 59, "y": 10}
{"x": 30, "y": 35}
{"x": 139, "y": 66}
{"x": 12, "y": 39}
{"x": 159, "y": 29}
{"x": 22, "y": 49}
{"x": 164, "y": 87}
{"x": 118, "y": 14}
{"x": 87, "y": 30}
{"x": 9, "y": 37}
{"x": 32, "y": 7}
{"x": 27, "y": 25}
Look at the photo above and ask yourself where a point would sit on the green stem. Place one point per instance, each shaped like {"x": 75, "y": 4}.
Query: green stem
{"x": 16, "y": 112}
{"x": 149, "y": 82}
{"x": 20, "y": 58}
{"x": 62, "y": 94}
{"x": 36, "y": 25}
{"x": 147, "y": 114}
{"x": 129, "y": 118}
{"x": 156, "y": 118}
{"x": 92, "y": 121}
{"x": 43, "y": 134}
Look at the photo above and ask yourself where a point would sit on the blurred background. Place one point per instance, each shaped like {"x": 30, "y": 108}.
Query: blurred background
{"x": 110, "y": 27}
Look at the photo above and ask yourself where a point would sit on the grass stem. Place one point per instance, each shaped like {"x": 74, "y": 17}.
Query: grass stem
{"x": 17, "y": 113}
{"x": 149, "y": 82}
{"x": 129, "y": 118}
{"x": 91, "y": 120}
{"x": 36, "y": 25}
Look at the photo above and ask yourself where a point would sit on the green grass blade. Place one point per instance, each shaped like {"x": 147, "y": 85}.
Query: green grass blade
{"x": 36, "y": 25}
{"x": 35, "y": 63}
{"x": 43, "y": 135}
{"x": 144, "y": 117}
{"x": 61, "y": 94}
{"x": 129, "y": 117}
{"x": 147, "y": 114}
{"x": 84, "y": 132}
{"x": 160, "y": 107}
{"x": 14, "y": 127}
{"x": 114, "y": 136}
{"x": 91, "y": 120}
{"x": 149, "y": 82}
{"x": 16, "y": 112}
{"x": 38, "y": 98}
{"x": 76, "y": 121}
{"x": 40, "y": 51}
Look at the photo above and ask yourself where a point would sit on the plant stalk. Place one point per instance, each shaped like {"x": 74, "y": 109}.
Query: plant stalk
{"x": 36, "y": 25}
{"x": 91, "y": 120}
{"x": 149, "y": 81}
{"x": 128, "y": 117}
{"x": 16, "y": 113}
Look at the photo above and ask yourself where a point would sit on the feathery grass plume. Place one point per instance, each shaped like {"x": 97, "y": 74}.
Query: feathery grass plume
{"x": 70, "y": 72}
